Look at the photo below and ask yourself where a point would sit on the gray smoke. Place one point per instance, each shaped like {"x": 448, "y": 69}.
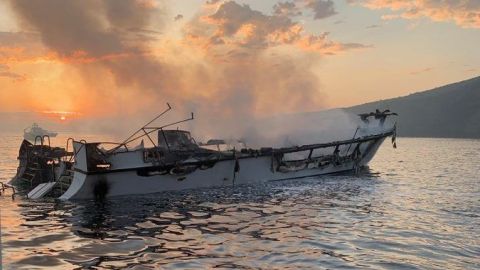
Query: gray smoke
{"x": 231, "y": 70}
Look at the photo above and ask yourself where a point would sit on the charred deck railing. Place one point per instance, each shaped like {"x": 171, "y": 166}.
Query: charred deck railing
{"x": 280, "y": 151}
{"x": 38, "y": 163}
{"x": 147, "y": 130}
{"x": 336, "y": 143}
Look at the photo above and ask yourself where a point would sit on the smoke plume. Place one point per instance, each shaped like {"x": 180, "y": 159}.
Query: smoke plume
{"x": 230, "y": 64}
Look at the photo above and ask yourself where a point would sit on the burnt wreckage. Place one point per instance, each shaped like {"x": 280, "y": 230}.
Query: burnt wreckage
{"x": 177, "y": 162}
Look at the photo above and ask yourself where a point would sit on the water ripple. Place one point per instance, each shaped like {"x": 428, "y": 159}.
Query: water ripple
{"x": 414, "y": 214}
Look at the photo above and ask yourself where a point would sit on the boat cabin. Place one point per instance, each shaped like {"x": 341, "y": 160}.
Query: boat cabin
{"x": 176, "y": 140}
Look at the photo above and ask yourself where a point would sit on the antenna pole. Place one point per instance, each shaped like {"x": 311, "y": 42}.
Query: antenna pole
{"x": 153, "y": 129}
{"x": 151, "y": 121}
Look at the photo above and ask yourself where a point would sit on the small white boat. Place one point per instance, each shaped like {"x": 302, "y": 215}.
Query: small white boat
{"x": 177, "y": 162}
{"x": 35, "y": 131}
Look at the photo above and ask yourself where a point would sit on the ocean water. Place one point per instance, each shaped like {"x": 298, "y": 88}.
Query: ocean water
{"x": 416, "y": 207}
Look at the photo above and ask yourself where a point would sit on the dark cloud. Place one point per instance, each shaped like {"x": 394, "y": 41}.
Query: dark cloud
{"x": 68, "y": 26}
{"x": 178, "y": 17}
{"x": 321, "y": 8}
{"x": 125, "y": 14}
{"x": 14, "y": 39}
{"x": 94, "y": 27}
{"x": 289, "y": 9}
{"x": 97, "y": 28}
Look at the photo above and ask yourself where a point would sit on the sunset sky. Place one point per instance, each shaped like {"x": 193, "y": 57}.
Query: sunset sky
{"x": 267, "y": 57}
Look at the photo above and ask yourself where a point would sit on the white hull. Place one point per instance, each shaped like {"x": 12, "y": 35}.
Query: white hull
{"x": 125, "y": 180}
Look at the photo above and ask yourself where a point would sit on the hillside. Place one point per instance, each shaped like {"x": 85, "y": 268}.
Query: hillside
{"x": 451, "y": 111}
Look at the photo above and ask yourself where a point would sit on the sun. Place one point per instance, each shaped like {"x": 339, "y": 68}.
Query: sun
{"x": 63, "y": 118}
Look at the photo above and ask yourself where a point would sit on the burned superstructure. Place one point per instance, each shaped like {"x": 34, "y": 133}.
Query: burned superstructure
{"x": 42, "y": 165}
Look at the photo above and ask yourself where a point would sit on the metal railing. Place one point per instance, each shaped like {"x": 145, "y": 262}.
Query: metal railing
{"x": 147, "y": 130}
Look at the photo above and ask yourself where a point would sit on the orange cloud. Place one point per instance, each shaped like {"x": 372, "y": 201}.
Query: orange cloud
{"x": 149, "y": 4}
{"x": 5, "y": 72}
{"x": 465, "y": 13}
{"x": 238, "y": 25}
{"x": 320, "y": 43}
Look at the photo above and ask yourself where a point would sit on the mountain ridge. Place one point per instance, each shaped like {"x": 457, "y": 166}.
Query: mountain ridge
{"x": 450, "y": 111}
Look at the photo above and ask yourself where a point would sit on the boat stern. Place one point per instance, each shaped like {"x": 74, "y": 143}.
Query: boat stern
{"x": 83, "y": 182}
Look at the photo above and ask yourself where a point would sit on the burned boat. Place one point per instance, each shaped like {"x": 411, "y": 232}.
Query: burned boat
{"x": 176, "y": 162}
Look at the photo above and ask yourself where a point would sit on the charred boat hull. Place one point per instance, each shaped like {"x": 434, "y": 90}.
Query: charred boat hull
{"x": 228, "y": 172}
